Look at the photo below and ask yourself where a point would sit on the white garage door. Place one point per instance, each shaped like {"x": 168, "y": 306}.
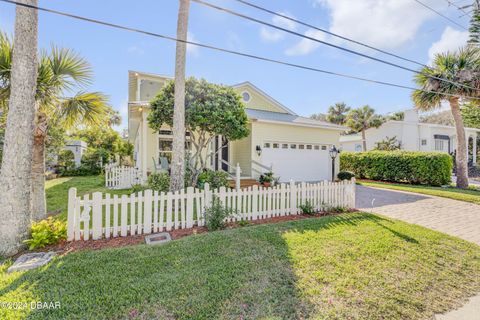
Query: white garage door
{"x": 297, "y": 161}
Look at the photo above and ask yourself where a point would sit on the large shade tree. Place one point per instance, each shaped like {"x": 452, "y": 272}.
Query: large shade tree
{"x": 458, "y": 67}
{"x": 15, "y": 176}
{"x": 362, "y": 119}
{"x": 210, "y": 110}
{"x": 61, "y": 72}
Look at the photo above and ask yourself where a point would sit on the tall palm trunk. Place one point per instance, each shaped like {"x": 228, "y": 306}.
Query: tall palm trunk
{"x": 39, "y": 210}
{"x": 178, "y": 144}
{"x": 461, "y": 155}
{"x": 364, "y": 141}
{"x": 15, "y": 177}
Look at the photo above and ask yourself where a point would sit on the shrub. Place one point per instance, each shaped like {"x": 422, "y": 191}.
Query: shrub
{"x": 66, "y": 159}
{"x": 137, "y": 188}
{"x": 307, "y": 207}
{"x": 83, "y": 170}
{"x": 432, "y": 168}
{"x": 216, "y": 214}
{"x": 159, "y": 181}
{"x": 345, "y": 175}
{"x": 215, "y": 179}
{"x": 46, "y": 232}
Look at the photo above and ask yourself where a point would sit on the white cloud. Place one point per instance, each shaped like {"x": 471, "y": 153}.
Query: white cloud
{"x": 269, "y": 34}
{"x": 306, "y": 46}
{"x": 382, "y": 23}
{"x": 450, "y": 40}
{"x": 191, "y": 48}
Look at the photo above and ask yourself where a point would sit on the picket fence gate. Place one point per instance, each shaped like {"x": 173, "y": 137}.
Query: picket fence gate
{"x": 103, "y": 215}
{"x": 122, "y": 177}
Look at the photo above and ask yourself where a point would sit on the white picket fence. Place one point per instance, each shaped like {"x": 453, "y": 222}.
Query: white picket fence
{"x": 104, "y": 216}
{"x": 122, "y": 177}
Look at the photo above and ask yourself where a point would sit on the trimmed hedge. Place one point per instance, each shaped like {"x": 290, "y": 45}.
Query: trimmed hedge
{"x": 430, "y": 168}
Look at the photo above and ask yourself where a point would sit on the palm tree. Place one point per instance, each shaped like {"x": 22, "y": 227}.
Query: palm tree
{"x": 338, "y": 113}
{"x": 462, "y": 67}
{"x": 178, "y": 143}
{"x": 361, "y": 119}
{"x": 59, "y": 72}
{"x": 15, "y": 176}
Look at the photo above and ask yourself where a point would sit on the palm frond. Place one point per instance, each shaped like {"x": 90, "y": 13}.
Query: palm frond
{"x": 88, "y": 108}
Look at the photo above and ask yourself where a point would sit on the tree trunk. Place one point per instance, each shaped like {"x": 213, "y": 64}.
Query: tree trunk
{"x": 364, "y": 141}
{"x": 15, "y": 178}
{"x": 178, "y": 143}
{"x": 461, "y": 154}
{"x": 39, "y": 206}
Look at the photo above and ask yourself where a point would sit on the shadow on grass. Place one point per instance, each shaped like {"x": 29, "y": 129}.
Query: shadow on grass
{"x": 240, "y": 273}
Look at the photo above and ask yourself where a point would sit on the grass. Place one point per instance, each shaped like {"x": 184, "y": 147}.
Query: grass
{"x": 57, "y": 192}
{"x": 353, "y": 266}
{"x": 469, "y": 195}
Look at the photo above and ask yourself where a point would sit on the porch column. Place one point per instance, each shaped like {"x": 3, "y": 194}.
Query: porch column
{"x": 144, "y": 145}
{"x": 474, "y": 148}
{"x": 219, "y": 152}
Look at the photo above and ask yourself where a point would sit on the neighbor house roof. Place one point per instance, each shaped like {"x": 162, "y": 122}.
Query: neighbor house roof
{"x": 278, "y": 117}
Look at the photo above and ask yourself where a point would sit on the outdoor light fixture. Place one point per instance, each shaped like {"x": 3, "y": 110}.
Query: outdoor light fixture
{"x": 140, "y": 109}
{"x": 259, "y": 150}
{"x": 333, "y": 154}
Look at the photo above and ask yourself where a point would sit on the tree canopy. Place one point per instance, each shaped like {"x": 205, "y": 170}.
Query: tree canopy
{"x": 210, "y": 110}
{"x": 338, "y": 113}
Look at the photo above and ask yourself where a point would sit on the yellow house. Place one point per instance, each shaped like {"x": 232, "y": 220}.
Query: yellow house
{"x": 293, "y": 147}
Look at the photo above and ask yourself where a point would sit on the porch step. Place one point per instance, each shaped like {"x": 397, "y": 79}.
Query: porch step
{"x": 244, "y": 183}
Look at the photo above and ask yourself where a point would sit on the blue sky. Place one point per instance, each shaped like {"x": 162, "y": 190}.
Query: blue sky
{"x": 400, "y": 26}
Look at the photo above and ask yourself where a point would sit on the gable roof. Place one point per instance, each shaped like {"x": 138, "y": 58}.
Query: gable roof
{"x": 264, "y": 95}
{"x": 293, "y": 119}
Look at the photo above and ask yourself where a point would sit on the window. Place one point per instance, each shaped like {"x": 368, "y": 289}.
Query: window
{"x": 293, "y": 146}
{"x": 245, "y": 96}
{"x": 165, "y": 149}
{"x": 324, "y": 147}
{"x": 424, "y": 142}
{"x": 309, "y": 147}
{"x": 301, "y": 146}
{"x": 358, "y": 148}
{"x": 266, "y": 145}
{"x": 285, "y": 146}
{"x": 439, "y": 145}
{"x": 275, "y": 145}
{"x": 317, "y": 147}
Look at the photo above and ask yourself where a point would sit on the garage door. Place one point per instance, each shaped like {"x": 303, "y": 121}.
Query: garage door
{"x": 297, "y": 161}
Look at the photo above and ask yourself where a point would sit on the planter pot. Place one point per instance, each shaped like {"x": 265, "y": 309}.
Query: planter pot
{"x": 267, "y": 184}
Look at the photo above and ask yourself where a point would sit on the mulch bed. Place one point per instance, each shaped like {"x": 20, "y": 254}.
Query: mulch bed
{"x": 66, "y": 247}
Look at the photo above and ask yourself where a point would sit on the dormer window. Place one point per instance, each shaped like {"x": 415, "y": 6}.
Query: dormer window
{"x": 245, "y": 96}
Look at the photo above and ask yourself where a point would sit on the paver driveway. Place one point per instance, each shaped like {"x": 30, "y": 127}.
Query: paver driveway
{"x": 457, "y": 218}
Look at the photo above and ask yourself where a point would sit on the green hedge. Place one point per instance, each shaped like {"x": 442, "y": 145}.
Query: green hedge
{"x": 431, "y": 168}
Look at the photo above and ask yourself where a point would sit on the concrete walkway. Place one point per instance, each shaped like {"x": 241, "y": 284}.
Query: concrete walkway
{"x": 456, "y": 218}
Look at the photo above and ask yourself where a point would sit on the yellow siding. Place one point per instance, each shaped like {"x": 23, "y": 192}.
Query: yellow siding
{"x": 241, "y": 153}
{"x": 257, "y": 100}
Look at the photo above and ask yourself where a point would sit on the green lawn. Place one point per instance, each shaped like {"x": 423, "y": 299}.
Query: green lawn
{"x": 353, "y": 266}
{"x": 468, "y": 195}
{"x": 57, "y": 191}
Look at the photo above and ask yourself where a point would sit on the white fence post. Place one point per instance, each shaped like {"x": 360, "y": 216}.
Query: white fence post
{"x": 238, "y": 172}
{"x": 72, "y": 199}
{"x": 293, "y": 197}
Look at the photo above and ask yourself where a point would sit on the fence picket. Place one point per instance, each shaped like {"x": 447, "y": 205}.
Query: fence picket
{"x": 124, "y": 213}
{"x": 97, "y": 216}
{"x": 86, "y": 217}
{"x": 132, "y": 214}
{"x": 115, "y": 215}
{"x": 147, "y": 213}
{"x": 155, "y": 211}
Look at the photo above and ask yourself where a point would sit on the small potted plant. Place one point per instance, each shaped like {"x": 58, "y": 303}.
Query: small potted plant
{"x": 266, "y": 179}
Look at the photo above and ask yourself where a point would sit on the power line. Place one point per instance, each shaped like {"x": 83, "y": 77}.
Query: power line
{"x": 440, "y": 14}
{"x": 328, "y": 43}
{"x": 328, "y": 32}
{"x": 157, "y": 35}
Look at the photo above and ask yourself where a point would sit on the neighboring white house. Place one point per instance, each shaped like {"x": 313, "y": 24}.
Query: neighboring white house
{"x": 294, "y": 147}
{"x": 413, "y": 135}
{"x": 78, "y": 147}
